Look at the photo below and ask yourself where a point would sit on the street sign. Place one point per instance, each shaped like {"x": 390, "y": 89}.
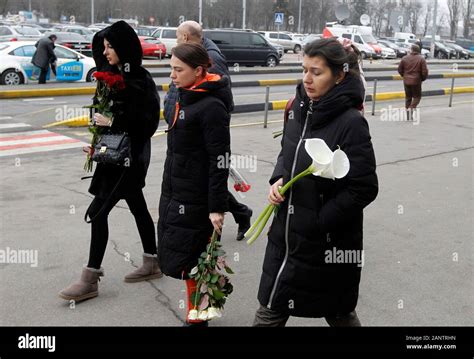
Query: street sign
{"x": 279, "y": 17}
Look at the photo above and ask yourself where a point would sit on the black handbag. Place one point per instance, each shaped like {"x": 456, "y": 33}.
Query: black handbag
{"x": 113, "y": 148}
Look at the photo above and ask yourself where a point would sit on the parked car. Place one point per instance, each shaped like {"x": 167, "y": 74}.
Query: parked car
{"x": 16, "y": 67}
{"x": 73, "y": 41}
{"x": 81, "y": 30}
{"x": 311, "y": 38}
{"x": 167, "y": 35}
{"x": 152, "y": 47}
{"x": 366, "y": 51}
{"x": 465, "y": 43}
{"x": 18, "y": 33}
{"x": 279, "y": 48}
{"x": 441, "y": 51}
{"x": 399, "y": 51}
{"x": 407, "y": 46}
{"x": 461, "y": 53}
{"x": 360, "y": 35}
{"x": 146, "y": 30}
{"x": 247, "y": 48}
{"x": 285, "y": 40}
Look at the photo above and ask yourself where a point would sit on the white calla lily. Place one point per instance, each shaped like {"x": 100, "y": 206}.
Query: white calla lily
{"x": 193, "y": 314}
{"x": 325, "y": 164}
{"x": 203, "y": 315}
{"x": 213, "y": 312}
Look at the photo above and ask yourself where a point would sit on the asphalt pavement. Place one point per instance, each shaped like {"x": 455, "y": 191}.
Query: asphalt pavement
{"x": 418, "y": 233}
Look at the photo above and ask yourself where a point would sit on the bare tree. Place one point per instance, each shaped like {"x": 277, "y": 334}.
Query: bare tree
{"x": 455, "y": 10}
{"x": 427, "y": 18}
{"x": 467, "y": 18}
{"x": 414, "y": 12}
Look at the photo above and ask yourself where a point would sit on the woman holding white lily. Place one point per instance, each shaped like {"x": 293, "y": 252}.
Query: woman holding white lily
{"x": 323, "y": 209}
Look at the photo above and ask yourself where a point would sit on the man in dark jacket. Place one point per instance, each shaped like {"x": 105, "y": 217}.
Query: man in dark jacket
{"x": 44, "y": 56}
{"x": 414, "y": 71}
{"x": 191, "y": 31}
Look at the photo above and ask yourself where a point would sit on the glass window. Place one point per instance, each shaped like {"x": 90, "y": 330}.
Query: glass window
{"x": 169, "y": 34}
{"x": 285, "y": 37}
{"x": 27, "y": 31}
{"x": 63, "y": 53}
{"x": 358, "y": 39}
{"x": 220, "y": 38}
{"x": 347, "y": 36}
{"x": 5, "y": 31}
{"x": 241, "y": 39}
{"x": 258, "y": 40}
{"x": 273, "y": 36}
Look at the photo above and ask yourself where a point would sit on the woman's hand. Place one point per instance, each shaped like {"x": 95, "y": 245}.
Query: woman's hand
{"x": 101, "y": 120}
{"x": 274, "y": 196}
{"x": 217, "y": 220}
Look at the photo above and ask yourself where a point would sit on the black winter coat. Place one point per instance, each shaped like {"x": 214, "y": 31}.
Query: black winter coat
{"x": 136, "y": 111}
{"x": 195, "y": 175}
{"x": 326, "y": 214}
{"x": 219, "y": 66}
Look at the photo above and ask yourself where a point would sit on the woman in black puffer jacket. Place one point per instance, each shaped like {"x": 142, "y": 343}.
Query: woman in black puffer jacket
{"x": 301, "y": 276}
{"x": 194, "y": 190}
{"x": 136, "y": 111}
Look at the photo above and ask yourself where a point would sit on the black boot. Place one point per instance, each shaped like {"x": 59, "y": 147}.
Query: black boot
{"x": 244, "y": 225}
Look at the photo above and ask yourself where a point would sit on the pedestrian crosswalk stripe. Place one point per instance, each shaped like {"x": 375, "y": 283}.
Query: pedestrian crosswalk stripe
{"x": 18, "y": 143}
{"x": 13, "y": 125}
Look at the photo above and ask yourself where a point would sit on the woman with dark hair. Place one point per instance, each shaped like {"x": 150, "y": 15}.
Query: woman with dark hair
{"x": 194, "y": 190}
{"x": 136, "y": 111}
{"x": 319, "y": 216}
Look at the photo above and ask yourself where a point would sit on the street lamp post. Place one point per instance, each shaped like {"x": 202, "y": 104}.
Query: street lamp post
{"x": 433, "y": 30}
{"x": 200, "y": 12}
{"x": 244, "y": 9}
{"x": 299, "y": 18}
{"x": 92, "y": 11}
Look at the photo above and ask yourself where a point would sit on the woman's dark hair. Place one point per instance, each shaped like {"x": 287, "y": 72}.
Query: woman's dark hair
{"x": 337, "y": 58}
{"x": 192, "y": 54}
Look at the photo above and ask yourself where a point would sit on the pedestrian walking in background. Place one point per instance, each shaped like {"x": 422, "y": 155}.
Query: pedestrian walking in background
{"x": 191, "y": 32}
{"x": 194, "y": 194}
{"x": 414, "y": 71}
{"x": 44, "y": 56}
{"x": 319, "y": 214}
{"x": 136, "y": 111}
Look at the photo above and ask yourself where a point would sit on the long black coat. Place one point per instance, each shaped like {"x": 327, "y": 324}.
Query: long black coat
{"x": 325, "y": 213}
{"x": 136, "y": 111}
{"x": 195, "y": 175}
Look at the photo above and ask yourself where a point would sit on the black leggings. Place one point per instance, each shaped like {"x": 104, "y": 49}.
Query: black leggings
{"x": 100, "y": 228}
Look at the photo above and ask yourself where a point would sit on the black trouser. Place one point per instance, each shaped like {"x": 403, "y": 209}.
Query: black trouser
{"x": 269, "y": 318}
{"x": 42, "y": 76}
{"x": 412, "y": 95}
{"x": 239, "y": 210}
{"x": 100, "y": 228}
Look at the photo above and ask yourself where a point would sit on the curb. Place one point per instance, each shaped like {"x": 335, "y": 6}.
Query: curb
{"x": 280, "y": 105}
{"x": 71, "y": 91}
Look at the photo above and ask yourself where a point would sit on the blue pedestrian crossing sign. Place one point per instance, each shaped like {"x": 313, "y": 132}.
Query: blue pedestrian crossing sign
{"x": 279, "y": 16}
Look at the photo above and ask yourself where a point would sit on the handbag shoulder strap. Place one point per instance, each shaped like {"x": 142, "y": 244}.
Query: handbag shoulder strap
{"x": 106, "y": 201}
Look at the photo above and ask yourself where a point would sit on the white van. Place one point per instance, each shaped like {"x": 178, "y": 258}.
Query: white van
{"x": 361, "y": 36}
{"x": 167, "y": 35}
{"x": 404, "y": 36}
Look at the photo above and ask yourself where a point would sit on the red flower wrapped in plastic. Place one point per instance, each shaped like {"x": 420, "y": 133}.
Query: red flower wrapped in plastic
{"x": 108, "y": 83}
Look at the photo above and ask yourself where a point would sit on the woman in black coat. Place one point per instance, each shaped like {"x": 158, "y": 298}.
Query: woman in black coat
{"x": 194, "y": 190}
{"x": 136, "y": 111}
{"x": 314, "y": 252}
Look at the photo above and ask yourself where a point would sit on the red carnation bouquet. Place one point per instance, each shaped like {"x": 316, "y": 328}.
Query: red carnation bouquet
{"x": 108, "y": 84}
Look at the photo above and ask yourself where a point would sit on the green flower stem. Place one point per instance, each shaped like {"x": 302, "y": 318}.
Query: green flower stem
{"x": 263, "y": 218}
{"x": 255, "y": 225}
{"x": 268, "y": 213}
